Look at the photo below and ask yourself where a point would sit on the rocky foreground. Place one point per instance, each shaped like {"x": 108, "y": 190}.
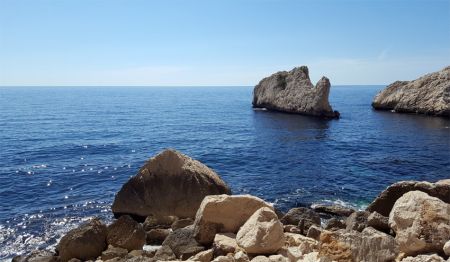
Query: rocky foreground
{"x": 409, "y": 221}
{"x": 429, "y": 94}
{"x": 293, "y": 92}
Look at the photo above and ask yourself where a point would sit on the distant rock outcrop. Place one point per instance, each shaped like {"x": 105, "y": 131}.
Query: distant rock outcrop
{"x": 293, "y": 92}
{"x": 429, "y": 94}
{"x": 169, "y": 184}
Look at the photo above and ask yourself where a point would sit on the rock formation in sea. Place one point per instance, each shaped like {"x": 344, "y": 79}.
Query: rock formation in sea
{"x": 429, "y": 94}
{"x": 414, "y": 226}
{"x": 168, "y": 184}
{"x": 293, "y": 92}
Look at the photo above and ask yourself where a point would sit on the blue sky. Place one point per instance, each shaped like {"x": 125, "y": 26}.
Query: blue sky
{"x": 219, "y": 42}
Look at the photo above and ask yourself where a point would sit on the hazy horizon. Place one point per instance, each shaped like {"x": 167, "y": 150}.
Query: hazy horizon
{"x": 219, "y": 43}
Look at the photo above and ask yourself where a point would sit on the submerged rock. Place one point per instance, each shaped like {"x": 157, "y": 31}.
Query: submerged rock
{"x": 385, "y": 201}
{"x": 169, "y": 184}
{"x": 293, "y": 92}
{"x": 429, "y": 94}
{"x": 421, "y": 223}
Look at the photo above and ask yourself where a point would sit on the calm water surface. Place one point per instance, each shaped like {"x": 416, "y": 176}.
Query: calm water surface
{"x": 65, "y": 152}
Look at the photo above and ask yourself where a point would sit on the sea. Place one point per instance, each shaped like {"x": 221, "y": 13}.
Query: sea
{"x": 66, "y": 151}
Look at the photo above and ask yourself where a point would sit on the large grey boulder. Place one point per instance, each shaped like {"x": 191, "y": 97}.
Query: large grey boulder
{"x": 169, "y": 184}
{"x": 293, "y": 92}
{"x": 429, "y": 94}
{"x": 385, "y": 201}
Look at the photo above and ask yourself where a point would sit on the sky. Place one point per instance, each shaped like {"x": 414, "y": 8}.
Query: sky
{"x": 219, "y": 42}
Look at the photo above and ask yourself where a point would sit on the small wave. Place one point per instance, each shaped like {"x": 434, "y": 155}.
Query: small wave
{"x": 340, "y": 202}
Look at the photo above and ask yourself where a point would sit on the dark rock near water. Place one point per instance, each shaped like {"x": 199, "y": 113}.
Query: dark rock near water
{"x": 169, "y": 184}
{"x": 429, "y": 94}
{"x": 333, "y": 210}
{"x": 385, "y": 201}
{"x": 335, "y": 224}
{"x": 302, "y": 217}
{"x": 85, "y": 242}
{"x": 183, "y": 243}
{"x": 181, "y": 223}
{"x": 154, "y": 222}
{"x": 357, "y": 221}
{"x": 126, "y": 233}
{"x": 293, "y": 92}
{"x": 379, "y": 222}
{"x": 37, "y": 256}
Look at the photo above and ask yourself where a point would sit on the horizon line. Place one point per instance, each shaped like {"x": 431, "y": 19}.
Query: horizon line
{"x": 1, "y": 86}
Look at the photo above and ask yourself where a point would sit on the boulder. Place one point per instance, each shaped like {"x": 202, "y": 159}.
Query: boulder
{"x": 385, "y": 201}
{"x": 293, "y": 92}
{"x": 421, "y": 223}
{"x": 357, "y": 221}
{"x": 204, "y": 256}
{"x": 85, "y": 242}
{"x": 169, "y": 184}
{"x": 424, "y": 258}
{"x": 262, "y": 233}
{"x": 333, "y": 210}
{"x": 429, "y": 94}
{"x": 335, "y": 224}
{"x": 302, "y": 217}
{"x": 126, "y": 233}
{"x": 183, "y": 243}
{"x": 156, "y": 236}
{"x": 180, "y": 223}
{"x": 224, "y": 213}
{"x": 379, "y": 222}
{"x": 368, "y": 245}
{"x": 113, "y": 252}
{"x": 224, "y": 243}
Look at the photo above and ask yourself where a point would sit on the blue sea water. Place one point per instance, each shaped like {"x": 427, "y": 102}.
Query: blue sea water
{"x": 65, "y": 152}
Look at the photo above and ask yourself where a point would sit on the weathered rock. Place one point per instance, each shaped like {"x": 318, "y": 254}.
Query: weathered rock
{"x": 443, "y": 182}
{"x": 304, "y": 244}
{"x": 126, "y": 233}
{"x": 180, "y": 223}
{"x": 293, "y": 92}
{"x": 156, "y": 236}
{"x": 379, "y": 222}
{"x": 333, "y": 210}
{"x": 357, "y": 221}
{"x": 183, "y": 243}
{"x": 262, "y": 233}
{"x": 169, "y": 184}
{"x": 292, "y": 253}
{"x": 164, "y": 253}
{"x": 85, "y": 242}
{"x": 421, "y": 223}
{"x": 223, "y": 213}
{"x": 446, "y": 248}
{"x": 224, "y": 259}
{"x": 141, "y": 253}
{"x": 314, "y": 232}
{"x": 240, "y": 256}
{"x": 156, "y": 222}
{"x": 224, "y": 243}
{"x": 424, "y": 258}
{"x": 429, "y": 94}
{"x": 385, "y": 201}
{"x": 113, "y": 252}
{"x": 369, "y": 245}
{"x": 335, "y": 224}
{"x": 204, "y": 256}
{"x": 292, "y": 229}
{"x": 301, "y": 217}
{"x": 260, "y": 259}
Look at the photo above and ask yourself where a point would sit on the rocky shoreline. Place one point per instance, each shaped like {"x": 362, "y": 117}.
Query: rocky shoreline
{"x": 409, "y": 221}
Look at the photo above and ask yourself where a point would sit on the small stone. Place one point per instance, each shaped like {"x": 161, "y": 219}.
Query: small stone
{"x": 278, "y": 258}
{"x": 183, "y": 243}
{"x": 204, "y": 256}
{"x": 113, "y": 252}
{"x": 156, "y": 222}
{"x": 223, "y": 259}
{"x": 314, "y": 232}
{"x": 335, "y": 224}
{"x": 260, "y": 259}
{"x": 424, "y": 258}
{"x": 292, "y": 229}
{"x": 357, "y": 221}
{"x": 240, "y": 256}
{"x": 447, "y": 248}
{"x": 378, "y": 221}
{"x": 164, "y": 253}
